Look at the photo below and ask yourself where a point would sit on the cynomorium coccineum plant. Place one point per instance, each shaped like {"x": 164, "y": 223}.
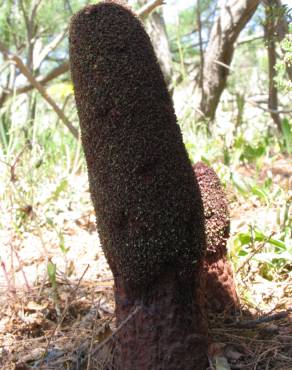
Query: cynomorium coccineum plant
{"x": 147, "y": 201}
{"x": 218, "y": 283}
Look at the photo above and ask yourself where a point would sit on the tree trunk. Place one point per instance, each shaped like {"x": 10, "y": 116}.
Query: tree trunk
{"x": 234, "y": 15}
{"x": 156, "y": 29}
{"x": 146, "y": 198}
{"x": 270, "y": 36}
{"x": 199, "y": 24}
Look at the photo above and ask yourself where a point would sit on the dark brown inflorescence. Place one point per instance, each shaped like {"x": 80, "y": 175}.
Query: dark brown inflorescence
{"x": 147, "y": 201}
{"x": 220, "y": 289}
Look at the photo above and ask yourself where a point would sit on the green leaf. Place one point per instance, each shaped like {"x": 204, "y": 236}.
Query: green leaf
{"x": 205, "y": 160}
{"x": 287, "y": 134}
{"x": 240, "y": 184}
{"x": 253, "y": 152}
{"x": 60, "y": 187}
{"x": 277, "y": 243}
{"x": 242, "y": 253}
{"x": 244, "y": 238}
{"x": 259, "y": 236}
{"x": 52, "y": 273}
{"x": 268, "y": 182}
{"x": 260, "y": 193}
{"x": 50, "y": 222}
{"x": 226, "y": 156}
{"x": 62, "y": 244}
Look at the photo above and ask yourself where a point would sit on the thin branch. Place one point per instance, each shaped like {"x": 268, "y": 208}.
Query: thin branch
{"x": 25, "y": 16}
{"x": 29, "y": 31}
{"x": 118, "y": 329}
{"x": 148, "y": 8}
{"x": 201, "y": 73}
{"x": 36, "y": 4}
{"x": 63, "y": 68}
{"x": 190, "y": 46}
{"x": 26, "y": 72}
{"x": 269, "y": 28}
{"x": 223, "y": 64}
{"x": 239, "y": 43}
{"x": 273, "y": 111}
{"x": 249, "y": 39}
{"x": 42, "y": 79}
{"x": 249, "y": 324}
{"x": 49, "y": 48}
{"x": 67, "y": 2}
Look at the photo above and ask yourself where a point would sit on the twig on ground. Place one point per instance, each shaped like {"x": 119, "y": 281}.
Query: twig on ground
{"x": 118, "y": 329}
{"x": 92, "y": 340}
{"x": 10, "y": 287}
{"x": 61, "y": 319}
{"x": 248, "y": 324}
{"x": 20, "y": 263}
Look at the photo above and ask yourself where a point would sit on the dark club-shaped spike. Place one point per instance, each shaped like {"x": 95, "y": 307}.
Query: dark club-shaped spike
{"x": 220, "y": 288}
{"x": 147, "y": 201}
